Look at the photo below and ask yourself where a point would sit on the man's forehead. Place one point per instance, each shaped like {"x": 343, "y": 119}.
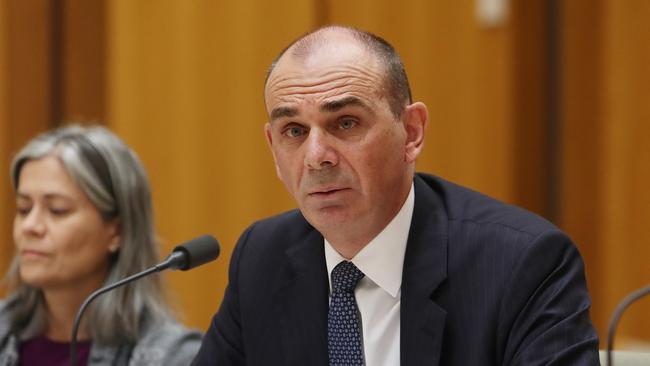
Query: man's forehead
{"x": 331, "y": 105}
{"x": 323, "y": 90}
{"x": 332, "y": 49}
{"x": 331, "y": 62}
{"x": 326, "y": 66}
{"x": 326, "y": 42}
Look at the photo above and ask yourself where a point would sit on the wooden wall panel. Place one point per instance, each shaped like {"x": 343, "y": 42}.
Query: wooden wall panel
{"x": 606, "y": 150}
{"x": 185, "y": 90}
{"x": 82, "y": 64}
{"x": 26, "y": 92}
{"x": 29, "y": 68}
{"x": 581, "y": 142}
{"x": 182, "y": 83}
{"x": 533, "y": 98}
{"x": 186, "y": 81}
{"x": 6, "y": 198}
{"x": 461, "y": 72}
{"x": 626, "y": 161}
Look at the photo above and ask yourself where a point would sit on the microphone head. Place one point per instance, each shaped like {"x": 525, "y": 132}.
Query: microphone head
{"x": 198, "y": 251}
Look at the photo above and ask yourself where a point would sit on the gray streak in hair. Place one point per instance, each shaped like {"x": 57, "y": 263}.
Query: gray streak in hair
{"x": 113, "y": 178}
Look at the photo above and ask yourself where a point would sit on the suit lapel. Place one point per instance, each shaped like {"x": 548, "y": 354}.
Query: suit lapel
{"x": 302, "y": 303}
{"x": 425, "y": 268}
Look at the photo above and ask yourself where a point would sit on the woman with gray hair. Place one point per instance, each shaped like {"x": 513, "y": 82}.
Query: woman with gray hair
{"x": 84, "y": 219}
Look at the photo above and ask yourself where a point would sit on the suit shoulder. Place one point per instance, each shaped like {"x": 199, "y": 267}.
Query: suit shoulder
{"x": 463, "y": 204}
{"x": 280, "y": 225}
{"x": 275, "y": 232}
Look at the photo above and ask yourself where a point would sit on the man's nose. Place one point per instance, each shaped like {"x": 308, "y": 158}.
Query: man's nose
{"x": 320, "y": 152}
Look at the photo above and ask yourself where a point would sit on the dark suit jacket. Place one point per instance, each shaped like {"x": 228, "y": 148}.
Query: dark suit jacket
{"x": 484, "y": 283}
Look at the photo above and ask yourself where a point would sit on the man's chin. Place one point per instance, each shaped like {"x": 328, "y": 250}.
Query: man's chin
{"x": 327, "y": 217}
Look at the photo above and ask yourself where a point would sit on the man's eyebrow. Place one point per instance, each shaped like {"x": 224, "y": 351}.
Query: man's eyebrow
{"x": 281, "y": 112}
{"x": 331, "y": 106}
{"x": 336, "y": 105}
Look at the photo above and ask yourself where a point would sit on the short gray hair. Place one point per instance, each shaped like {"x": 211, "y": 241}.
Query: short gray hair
{"x": 113, "y": 178}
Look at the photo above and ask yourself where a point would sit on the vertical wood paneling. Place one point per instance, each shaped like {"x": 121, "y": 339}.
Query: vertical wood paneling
{"x": 186, "y": 81}
{"x": 29, "y": 68}
{"x": 82, "y": 60}
{"x": 532, "y": 57}
{"x": 626, "y": 163}
{"x": 6, "y": 199}
{"x": 186, "y": 92}
{"x": 463, "y": 72}
{"x": 26, "y": 85}
{"x": 181, "y": 82}
{"x": 606, "y": 149}
{"x": 582, "y": 153}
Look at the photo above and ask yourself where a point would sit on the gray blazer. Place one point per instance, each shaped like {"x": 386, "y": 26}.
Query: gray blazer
{"x": 166, "y": 344}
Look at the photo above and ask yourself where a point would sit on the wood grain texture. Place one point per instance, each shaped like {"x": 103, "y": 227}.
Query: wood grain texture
{"x": 182, "y": 82}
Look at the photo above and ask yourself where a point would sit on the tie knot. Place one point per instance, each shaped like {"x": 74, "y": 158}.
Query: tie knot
{"x": 345, "y": 277}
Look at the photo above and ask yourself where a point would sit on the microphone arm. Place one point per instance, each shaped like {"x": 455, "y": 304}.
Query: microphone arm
{"x": 627, "y": 301}
{"x": 186, "y": 256}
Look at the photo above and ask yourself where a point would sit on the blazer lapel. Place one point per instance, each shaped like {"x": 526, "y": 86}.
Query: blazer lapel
{"x": 302, "y": 303}
{"x": 425, "y": 268}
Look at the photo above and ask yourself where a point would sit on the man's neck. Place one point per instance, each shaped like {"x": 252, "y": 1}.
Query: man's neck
{"x": 350, "y": 242}
{"x": 347, "y": 251}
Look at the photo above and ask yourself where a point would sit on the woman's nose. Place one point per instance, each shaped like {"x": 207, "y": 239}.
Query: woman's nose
{"x": 32, "y": 222}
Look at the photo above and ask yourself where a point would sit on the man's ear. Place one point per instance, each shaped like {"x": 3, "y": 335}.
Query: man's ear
{"x": 269, "y": 140}
{"x": 416, "y": 118}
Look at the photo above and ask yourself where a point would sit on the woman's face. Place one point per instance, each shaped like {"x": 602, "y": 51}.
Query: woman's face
{"x": 61, "y": 239}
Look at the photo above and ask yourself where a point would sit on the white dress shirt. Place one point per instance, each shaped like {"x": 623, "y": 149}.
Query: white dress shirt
{"x": 378, "y": 293}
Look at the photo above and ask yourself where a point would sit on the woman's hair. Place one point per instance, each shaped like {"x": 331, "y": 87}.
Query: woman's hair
{"x": 113, "y": 178}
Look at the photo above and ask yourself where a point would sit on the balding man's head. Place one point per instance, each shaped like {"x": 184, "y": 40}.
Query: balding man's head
{"x": 395, "y": 86}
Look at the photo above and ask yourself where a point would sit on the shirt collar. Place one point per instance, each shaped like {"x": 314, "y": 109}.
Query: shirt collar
{"x": 382, "y": 259}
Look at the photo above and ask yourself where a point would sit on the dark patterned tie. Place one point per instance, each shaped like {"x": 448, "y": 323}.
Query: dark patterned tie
{"x": 343, "y": 324}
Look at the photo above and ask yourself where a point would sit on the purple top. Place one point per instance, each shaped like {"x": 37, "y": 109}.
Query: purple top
{"x": 42, "y": 351}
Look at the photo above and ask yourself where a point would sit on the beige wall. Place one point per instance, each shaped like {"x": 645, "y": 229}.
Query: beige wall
{"x": 181, "y": 82}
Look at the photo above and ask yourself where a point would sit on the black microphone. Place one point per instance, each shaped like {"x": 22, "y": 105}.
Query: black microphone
{"x": 185, "y": 256}
{"x": 620, "y": 308}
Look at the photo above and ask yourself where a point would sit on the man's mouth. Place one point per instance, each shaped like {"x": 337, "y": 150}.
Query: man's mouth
{"x": 326, "y": 191}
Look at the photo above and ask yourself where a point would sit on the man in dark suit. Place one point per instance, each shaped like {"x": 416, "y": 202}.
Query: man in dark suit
{"x": 382, "y": 266}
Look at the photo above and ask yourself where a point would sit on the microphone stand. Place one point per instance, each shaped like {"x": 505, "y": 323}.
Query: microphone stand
{"x": 174, "y": 260}
{"x": 629, "y": 299}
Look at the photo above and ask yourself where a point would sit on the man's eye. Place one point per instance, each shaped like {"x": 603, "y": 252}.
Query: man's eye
{"x": 347, "y": 124}
{"x": 294, "y": 131}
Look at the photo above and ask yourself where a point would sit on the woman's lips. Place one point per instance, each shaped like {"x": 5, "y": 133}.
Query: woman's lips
{"x": 33, "y": 253}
